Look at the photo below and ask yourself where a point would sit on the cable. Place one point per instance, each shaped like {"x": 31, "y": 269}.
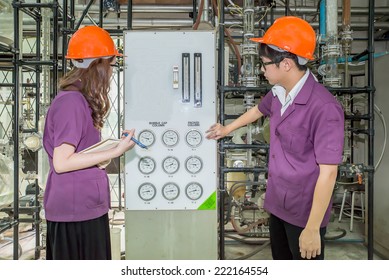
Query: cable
{"x": 379, "y": 112}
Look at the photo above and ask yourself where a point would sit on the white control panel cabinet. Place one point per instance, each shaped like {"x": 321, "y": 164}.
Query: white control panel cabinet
{"x": 170, "y": 187}
{"x": 170, "y": 92}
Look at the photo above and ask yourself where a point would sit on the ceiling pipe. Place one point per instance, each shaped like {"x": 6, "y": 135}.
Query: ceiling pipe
{"x": 299, "y": 10}
{"x": 188, "y": 23}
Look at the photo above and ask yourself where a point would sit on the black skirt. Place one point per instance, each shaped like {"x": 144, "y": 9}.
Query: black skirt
{"x": 86, "y": 240}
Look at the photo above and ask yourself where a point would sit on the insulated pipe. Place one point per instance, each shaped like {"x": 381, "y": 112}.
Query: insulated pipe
{"x": 332, "y": 18}
{"x": 322, "y": 23}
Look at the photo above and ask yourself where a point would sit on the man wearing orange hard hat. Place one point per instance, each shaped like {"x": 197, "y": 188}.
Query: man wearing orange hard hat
{"x": 306, "y": 141}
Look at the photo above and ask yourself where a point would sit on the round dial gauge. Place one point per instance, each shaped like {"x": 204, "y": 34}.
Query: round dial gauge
{"x": 170, "y": 138}
{"x": 193, "y": 165}
{"x": 146, "y": 165}
{"x": 170, "y": 165}
{"x": 194, "y": 138}
{"x": 194, "y": 191}
{"x": 147, "y": 191}
{"x": 146, "y": 137}
{"x": 170, "y": 191}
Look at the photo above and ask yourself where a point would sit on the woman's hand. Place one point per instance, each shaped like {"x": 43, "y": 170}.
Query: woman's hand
{"x": 126, "y": 143}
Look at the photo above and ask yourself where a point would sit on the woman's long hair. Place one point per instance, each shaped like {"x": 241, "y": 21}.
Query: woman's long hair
{"x": 94, "y": 83}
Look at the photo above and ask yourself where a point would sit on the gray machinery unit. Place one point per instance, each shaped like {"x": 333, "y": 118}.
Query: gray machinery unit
{"x": 170, "y": 187}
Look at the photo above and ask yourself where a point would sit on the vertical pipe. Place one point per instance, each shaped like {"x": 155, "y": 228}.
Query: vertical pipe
{"x": 222, "y": 119}
{"x": 205, "y": 13}
{"x": 332, "y": 18}
{"x": 119, "y": 131}
{"x": 346, "y": 13}
{"x": 38, "y": 69}
{"x": 101, "y": 7}
{"x": 322, "y": 22}
{"x": 370, "y": 82}
{"x": 129, "y": 15}
{"x": 55, "y": 47}
{"x": 15, "y": 134}
{"x": 64, "y": 35}
{"x": 194, "y": 4}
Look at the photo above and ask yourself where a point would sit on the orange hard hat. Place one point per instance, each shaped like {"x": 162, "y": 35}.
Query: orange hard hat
{"x": 91, "y": 42}
{"x": 291, "y": 34}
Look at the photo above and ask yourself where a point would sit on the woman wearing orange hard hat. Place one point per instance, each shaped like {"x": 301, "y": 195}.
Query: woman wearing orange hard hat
{"x": 306, "y": 141}
{"x": 77, "y": 196}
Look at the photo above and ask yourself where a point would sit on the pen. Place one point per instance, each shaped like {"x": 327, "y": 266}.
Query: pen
{"x": 136, "y": 141}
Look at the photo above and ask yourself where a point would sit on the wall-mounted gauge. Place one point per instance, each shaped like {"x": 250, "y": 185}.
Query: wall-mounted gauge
{"x": 170, "y": 138}
{"x": 146, "y": 137}
{"x": 194, "y": 191}
{"x": 170, "y": 165}
{"x": 146, "y": 165}
{"x": 170, "y": 191}
{"x": 147, "y": 191}
{"x": 194, "y": 138}
{"x": 193, "y": 164}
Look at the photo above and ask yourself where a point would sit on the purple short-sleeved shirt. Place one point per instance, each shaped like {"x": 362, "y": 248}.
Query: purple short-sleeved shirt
{"x": 77, "y": 195}
{"x": 309, "y": 133}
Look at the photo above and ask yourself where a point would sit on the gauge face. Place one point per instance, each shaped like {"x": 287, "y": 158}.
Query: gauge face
{"x": 194, "y": 191}
{"x": 170, "y": 165}
{"x": 170, "y": 138}
{"x": 147, "y": 191}
{"x": 146, "y": 165}
{"x": 170, "y": 191}
{"x": 193, "y": 165}
{"x": 146, "y": 137}
{"x": 193, "y": 138}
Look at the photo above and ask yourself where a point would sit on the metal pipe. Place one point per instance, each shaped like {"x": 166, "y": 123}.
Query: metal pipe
{"x": 346, "y": 13}
{"x": 64, "y": 35}
{"x": 222, "y": 188}
{"x": 370, "y": 83}
{"x": 188, "y": 23}
{"x": 298, "y": 10}
{"x": 86, "y": 10}
{"x": 322, "y": 21}
{"x": 129, "y": 15}
{"x": 55, "y": 47}
{"x": 15, "y": 127}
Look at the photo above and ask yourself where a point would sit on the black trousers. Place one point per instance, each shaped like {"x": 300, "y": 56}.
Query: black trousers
{"x": 86, "y": 240}
{"x": 284, "y": 240}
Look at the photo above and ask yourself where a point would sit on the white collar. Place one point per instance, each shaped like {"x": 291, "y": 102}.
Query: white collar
{"x": 287, "y": 100}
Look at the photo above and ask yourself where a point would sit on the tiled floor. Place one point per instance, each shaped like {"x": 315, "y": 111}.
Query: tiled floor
{"x": 349, "y": 247}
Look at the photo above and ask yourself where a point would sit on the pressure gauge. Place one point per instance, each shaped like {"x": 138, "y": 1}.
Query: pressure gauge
{"x": 193, "y": 138}
{"x": 170, "y": 138}
{"x": 194, "y": 191}
{"x": 147, "y": 191}
{"x": 146, "y": 165}
{"x": 146, "y": 137}
{"x": 193, "y": 164}
{"x": 170, "y": 191}
{"x": 170, "y": 165}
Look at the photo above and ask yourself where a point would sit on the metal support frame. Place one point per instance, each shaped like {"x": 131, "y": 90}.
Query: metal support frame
{"x": 34, "y": 64}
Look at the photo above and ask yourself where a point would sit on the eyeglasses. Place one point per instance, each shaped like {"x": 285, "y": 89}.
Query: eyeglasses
{"x": 263, "y": 64}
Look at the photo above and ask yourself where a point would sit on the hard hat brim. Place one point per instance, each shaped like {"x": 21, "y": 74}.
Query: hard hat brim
{"x": 257, "y": 40}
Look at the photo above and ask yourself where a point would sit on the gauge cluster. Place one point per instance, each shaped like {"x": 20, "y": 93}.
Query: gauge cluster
{"x": 172, "y": 172}
{"x": 170, "y": 165}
